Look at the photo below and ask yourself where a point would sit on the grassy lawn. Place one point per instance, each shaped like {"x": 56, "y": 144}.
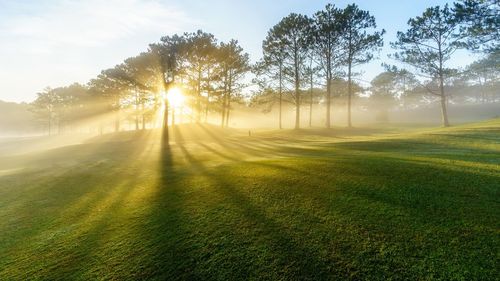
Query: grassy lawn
{"x": 281, "y": 205}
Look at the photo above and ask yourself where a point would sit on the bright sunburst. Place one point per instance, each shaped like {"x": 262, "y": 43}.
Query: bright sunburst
{"x": 175, "y": 97}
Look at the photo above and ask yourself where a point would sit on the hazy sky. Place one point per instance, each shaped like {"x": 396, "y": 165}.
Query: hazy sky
{"x": 57, "y": 42}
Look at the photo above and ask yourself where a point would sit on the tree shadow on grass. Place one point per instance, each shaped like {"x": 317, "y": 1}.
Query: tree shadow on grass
{"x": 193, "y": 240}
{"x": 273, "y": 250}
{"x": 166, "y": 234}
{"x": 74, "y": 208}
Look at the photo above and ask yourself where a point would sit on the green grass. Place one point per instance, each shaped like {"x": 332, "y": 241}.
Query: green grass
{"x": 280, "y": 205}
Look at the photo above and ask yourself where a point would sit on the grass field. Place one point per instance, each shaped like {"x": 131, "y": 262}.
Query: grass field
{"x": 372, "y": 204}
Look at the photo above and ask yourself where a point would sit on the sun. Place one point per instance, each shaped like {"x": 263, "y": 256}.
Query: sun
{"x": 175, "y": 97}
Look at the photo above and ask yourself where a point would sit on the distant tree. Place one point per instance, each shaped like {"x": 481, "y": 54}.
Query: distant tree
{"x": 403, "y": 81}
{"x": 340, "y": 90}
{"x": 327, "y": 31}
{"x": 109, "y": 86}
{"x": 293, "y": 34}
{"x": 357, "y": 43}
{"x": 428, "y": 44}
{"x": 44, "y": 107}
{"x": 384, "y": 91}
{"x": 486, "y": 74}
{"x": 72, "y": 104}
{"x": 481, "y": 19}
{"x": 18, "y": 118}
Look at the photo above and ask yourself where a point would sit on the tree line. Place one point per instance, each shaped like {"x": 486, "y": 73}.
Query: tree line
{"x": 306, "y": 60}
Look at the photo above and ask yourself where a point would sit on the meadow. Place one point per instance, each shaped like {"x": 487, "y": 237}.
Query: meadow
{"x": 220, "y": 204}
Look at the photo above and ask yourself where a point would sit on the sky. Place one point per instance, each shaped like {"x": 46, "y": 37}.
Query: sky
{"x": 57, "y": 42}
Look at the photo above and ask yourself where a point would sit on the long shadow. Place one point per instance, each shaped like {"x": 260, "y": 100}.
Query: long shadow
{"x": 70, "y": 217}
{"x": 64, "y": 189}
{"x": 284, "y": 250}
{"x": 166, "y": 233}
{"x": 218, "y": 153}
{"x": 94, "y": 240}
{"x": 179, "y": 249}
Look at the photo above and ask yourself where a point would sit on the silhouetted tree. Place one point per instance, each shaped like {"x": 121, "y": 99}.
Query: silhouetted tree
{"x": 108, "y": 86}
{"x": 485, "y": 73}
{"x": 198, "y": 51}
{"x": 384, "y": 91}
{"x": 169, "y": 58}
{"x": 481, "y": 19}
{"x": 357, "y": 43}
{"x": 327, "y": 32}
{"x": 270, "y": 70}
{"x": 44, "y": 106}
{"x": 143, "y": 77}
{"x": 234, "y": 64}
{"x": 293, "y": 34}
{"x": 428, "y": 44}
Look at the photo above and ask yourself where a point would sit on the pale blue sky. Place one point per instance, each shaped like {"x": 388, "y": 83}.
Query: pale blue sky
{"x": 57, "y": 42}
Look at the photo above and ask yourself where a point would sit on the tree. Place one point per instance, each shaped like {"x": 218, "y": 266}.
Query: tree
{"x": 293, "y": 35}
{"x": 485, "y": 73}
{"x": 403, "y": 82}
{"x": 141, "y": 79}
{"x": 481, "y": 19}
{"x": 199, "y": 52}
{"x": 110, "y": 89}
{"x": 270, "y": 70}
{"x": 72, "y": 105}
{"x": 327, "y": 32}
{"x": 309, "y": 73}
{"x": 357, "y": 43}
{"x": 44, "y": 106}
{"x": 384, "y": 89}
{"x": 234, "y": 64}
{"x": 169, "y": 59}
{"x": 428, "y": 44}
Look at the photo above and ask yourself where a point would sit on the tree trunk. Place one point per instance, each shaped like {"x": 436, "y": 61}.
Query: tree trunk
{"x": 173, "y": 116}
{"x": 311, "y": 100}
{"x": 281, "y": 95}
{"x": 328, "y": 97}
{"x": 198, "y": 100}
{"x": 444, "y": 112}
{"x": 349, "y": 90}
{"x": 117, "y": 122}
{"x": 165, "y": 113}
{"x": 297, "y": 94}
{"x": 227, "y": 113}
{"x": 208, "y": 95}
{"x": 208, "y": 104}
{"x": 165, "y": 122}
{"x": 228, "y": 108}
{"x": 50, "y": 124}
{"x": 223, "y": 116}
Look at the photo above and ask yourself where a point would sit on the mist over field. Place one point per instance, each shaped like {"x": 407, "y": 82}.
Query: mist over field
{"x": 353, "y": 145}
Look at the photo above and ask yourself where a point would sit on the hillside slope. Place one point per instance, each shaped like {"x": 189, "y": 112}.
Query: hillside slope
{"x": 338, "y": 204}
